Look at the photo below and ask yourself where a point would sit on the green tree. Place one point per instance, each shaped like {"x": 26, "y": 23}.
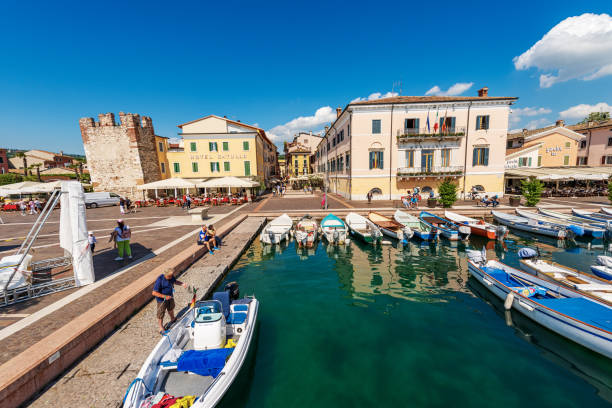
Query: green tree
{"x": 25, "y": 162}
{"x": 10, "y": 178}
{"x": 532, "y": 191}
{"x": 448, "y": 193}
{"x": 596, "y": 117}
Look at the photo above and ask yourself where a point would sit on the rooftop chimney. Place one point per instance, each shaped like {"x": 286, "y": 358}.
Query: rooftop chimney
{"x": 483, "y": 92}
{"x": 338, "y": 112}
{"x": 326, "y": 129}
{"x": 560, "y": 123}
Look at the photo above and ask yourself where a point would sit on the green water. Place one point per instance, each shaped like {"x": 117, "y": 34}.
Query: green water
{"x": 406, "y": 326}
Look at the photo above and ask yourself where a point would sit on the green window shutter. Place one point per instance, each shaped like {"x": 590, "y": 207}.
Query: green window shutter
{"x": 210, "y": 146}
{"x": 194, "y": 167}
{"x": 417, "y": 124}
{"x": 565, "y": 160}
{"x": 192, "y": 146}
{"x": 529, "y": 162}
{"x": 478, "y": 122}
{"x": 405, "y": 123}
{"x": 475, "y": 157}
{"x": 486, "y": 124}
{"x": 371, "y": 160}
{"x": 212, "y": 167}
{"x": 539, "y": 161}
{"x": 247, "y": 168}
{"x": 226, "y": 166}
{"x": 177, "y": 167}
{"x": 245, "y": 146}
{"x": 486, "y": 156}
{"x": 225, "y": 146}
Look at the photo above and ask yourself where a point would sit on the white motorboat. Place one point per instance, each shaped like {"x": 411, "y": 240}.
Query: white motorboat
{"x": 390, "y": 227}
{"x": 201, "y": 355}
{"x": 478, "y": 227}
{"x": 306, "y": 232}
{"x": 334, "y": 229}
{"x": 363, "y": 228}
{"x": 277, "y": 230}
{"x": 419, "y": 229}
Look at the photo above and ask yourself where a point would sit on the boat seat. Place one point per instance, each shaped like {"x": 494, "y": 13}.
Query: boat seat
{"x": 237, "y": 318}
{"x": 240, "y": 308}
{"x": 574, "y": 279}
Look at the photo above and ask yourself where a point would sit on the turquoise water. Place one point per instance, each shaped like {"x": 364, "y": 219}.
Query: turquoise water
{"x": 390, "y": 327}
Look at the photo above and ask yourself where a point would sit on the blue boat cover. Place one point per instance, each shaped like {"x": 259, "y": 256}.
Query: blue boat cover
{"x": 582, "y": 309}
{"x": 236, "y": 318}
{"x": 241, "y": 308}
{"x": 204, "y": 362}
{"x": 224, "y": 298}
{"x": 526, "y": 253}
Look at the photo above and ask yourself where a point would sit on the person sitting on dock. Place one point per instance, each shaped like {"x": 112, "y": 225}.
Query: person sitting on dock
{"x": 494, "y": 201}
{"x": 203, "y": 239}
{"x": 213, "y": 239}
{"x": 485, "y": 201}
{"x": 163, "y": 291}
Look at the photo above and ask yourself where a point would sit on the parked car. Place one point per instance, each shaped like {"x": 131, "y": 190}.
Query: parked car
{"x": 94, "y": 200}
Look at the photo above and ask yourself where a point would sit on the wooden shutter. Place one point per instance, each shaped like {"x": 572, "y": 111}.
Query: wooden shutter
{"x": 478, "y": 122}
{"x": 475, "y": 157}
{"x": 417, "y": 124}
{"x": 486, "y": 156}
{"x": 486, "y": 124}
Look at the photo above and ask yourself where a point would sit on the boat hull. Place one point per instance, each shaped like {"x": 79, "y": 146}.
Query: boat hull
{"x": 601, "y": 271}
{"x": 425, "y": 236}
{"x": 549, "y": 232}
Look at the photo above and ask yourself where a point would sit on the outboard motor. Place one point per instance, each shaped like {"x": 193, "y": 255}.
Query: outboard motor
{"x": 464, "y": 231}
{"x": 271, "y": 235}
{"x": 233, "y": 289}
{"x": 500, "y": 232}
{"x": 478, "y": 257}
{"x": 336, "y": 236}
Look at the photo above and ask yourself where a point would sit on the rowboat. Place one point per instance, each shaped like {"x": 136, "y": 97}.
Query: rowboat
{"x": 592, "y": 216}
{"x": 334, "y": 229}
{"x": 606, "y": 210}
{"x": 391, "y": 228}
{"x": 448, "y": 229}
{"x": 420, "y": 230}
{"x": 478, "y": 227}
{"x": 604, "y": 269}
{"x": 363, "y": 228}
{"x": 529, "y": 225}
{"x": 563, "y": 310}
{"x": 277, "y": 230}
{"x": 577, "y": 229}
{"x": 201, "y": 355}
{"x": 595, "y": 229}
{"x": 306, "y": 231}
{"x": 587, "y": 284}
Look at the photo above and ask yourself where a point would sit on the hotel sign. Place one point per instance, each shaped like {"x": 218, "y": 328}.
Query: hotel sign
{"x": 218, "y": 156}
{"x": 553, "y": 150}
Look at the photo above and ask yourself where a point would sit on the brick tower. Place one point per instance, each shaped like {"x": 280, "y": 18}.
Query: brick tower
{"x": 120, "y": 156}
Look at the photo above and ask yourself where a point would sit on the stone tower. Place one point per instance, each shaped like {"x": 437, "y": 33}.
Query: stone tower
{"x": 120, "y": 156}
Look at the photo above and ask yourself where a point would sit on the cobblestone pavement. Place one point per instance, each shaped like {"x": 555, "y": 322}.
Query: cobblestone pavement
{"x": 101, "y": 378}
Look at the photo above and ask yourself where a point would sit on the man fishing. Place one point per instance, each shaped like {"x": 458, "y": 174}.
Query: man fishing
{"x": 163, "y": 290}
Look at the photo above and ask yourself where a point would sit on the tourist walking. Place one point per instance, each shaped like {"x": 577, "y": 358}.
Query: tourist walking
{"x": 22, "y": 208}
{"x": 122, "y": 205}
{"x": 163, "y": 290}
{"x": 369, "y": 196}
{"x": 122, "y": 234}
{"x": 323, "y": 200}
{"x": 92, "y": 241}
{"x": 31, "y": 205}
{"x": 188, "y": 201}
{"x": 38, "y": 205}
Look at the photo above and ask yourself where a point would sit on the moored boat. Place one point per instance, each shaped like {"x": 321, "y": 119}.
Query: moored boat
{"x": 563, "y": 310}
{"x": 604, "y": 269}
{"x": 591, "y": 216}
{"x": 579, "y": 230}
{"x": 277, "y": 230}
{"x": 595, "y": 229}
{"x": 390, "y": 227}
{"x": 606, "y": 210}
{"x": 528, "y": 225}
{"x": 478, "y": 227}
{"x": 306, "y": 231}
{"x": 448, "y": 229}
{"x": 363, "y": 228}
{"x": 334, "y": 229}
{"x": 201, "y": 355}
{"x": 419, "y": 229}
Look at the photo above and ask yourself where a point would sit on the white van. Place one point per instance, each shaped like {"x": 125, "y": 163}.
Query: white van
{"x": 94, "y": 200}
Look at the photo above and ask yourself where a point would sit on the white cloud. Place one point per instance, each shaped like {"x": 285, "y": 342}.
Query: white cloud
{"x": 315, "y": 122}
{"x": 577, "y": 47}
{"x": 374, "y": 96}
{"x": 582, "y": 111}
{"x": 519, "y": 113}
{"x": 457, "y": 89}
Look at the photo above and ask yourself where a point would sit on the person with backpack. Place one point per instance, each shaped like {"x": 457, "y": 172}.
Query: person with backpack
{"x": 122, "y": 234}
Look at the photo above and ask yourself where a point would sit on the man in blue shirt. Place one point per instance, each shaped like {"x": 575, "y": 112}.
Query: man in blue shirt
{"x": 204, "y": 239}
{"x": 163, "y": 290}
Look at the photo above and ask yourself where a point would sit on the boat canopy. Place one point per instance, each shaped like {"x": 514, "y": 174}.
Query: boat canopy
{"x": 332, "y": 221}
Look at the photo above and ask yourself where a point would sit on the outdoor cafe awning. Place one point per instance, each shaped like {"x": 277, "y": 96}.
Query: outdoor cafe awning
{"x": 561, "y": 173}
{"x": 225, "y": 182}
{"x": 174, "y": 182}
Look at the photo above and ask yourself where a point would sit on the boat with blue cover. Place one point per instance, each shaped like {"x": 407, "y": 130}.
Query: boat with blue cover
{"x": 420, "y": 230}
{"x": 448, "y": 229}
{"x": 200, "y": 356}
{"x": 604, "y": 267}
{"x": 334, "y": 229}
{"x": 592, "y": 216}
{"x": 529, "y": 225}
{"x": 579, "y": 229}
{"x": 565, "y": 311}
{"x": 593, "y": 228}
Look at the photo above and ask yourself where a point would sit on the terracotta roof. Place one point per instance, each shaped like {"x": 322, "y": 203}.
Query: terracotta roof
{"x": 525, "y": 133}
{"x": 585, "y": 126}
{"x": 431, "y": 99}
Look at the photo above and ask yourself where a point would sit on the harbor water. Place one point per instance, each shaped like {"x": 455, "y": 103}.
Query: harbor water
{"x": 405, "y": 326}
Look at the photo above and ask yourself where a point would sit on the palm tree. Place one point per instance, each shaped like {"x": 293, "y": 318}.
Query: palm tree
{"x": 38, "y": 171}
{"x": 25, "y": 162}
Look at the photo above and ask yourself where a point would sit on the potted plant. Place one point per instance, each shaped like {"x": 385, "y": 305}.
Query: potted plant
{"x": 532, "y": 191}
{"x": 448, "y": 192}
{"x": 432, "y": 202}
{"x": 515, "y": 200}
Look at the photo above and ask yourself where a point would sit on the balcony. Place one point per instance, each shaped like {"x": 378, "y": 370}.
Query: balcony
{"x": 415, "y": 134}
{"x": 442, "y": 171}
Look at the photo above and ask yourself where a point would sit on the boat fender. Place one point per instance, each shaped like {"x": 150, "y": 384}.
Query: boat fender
{"x": 508, "y": 301}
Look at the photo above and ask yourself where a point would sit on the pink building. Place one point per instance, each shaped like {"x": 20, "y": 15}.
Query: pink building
{"x": 596, "y": 148}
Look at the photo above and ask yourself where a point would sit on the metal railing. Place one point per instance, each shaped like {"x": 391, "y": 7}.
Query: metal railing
{"x": 422, "y": 132}
{"x": 430, "y": 171}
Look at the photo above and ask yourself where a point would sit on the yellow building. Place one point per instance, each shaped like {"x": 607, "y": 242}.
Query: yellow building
{"x": 218, "y": 147}
{"x": 298, "y": 162}
{"x": 282, "y": 167}
{"x": 161, "y": 146}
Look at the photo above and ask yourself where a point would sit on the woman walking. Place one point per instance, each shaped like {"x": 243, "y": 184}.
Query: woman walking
{"x": 122, "y": 235}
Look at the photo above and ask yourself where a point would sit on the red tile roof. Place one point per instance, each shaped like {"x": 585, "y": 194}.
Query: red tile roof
{"x": 432, "y": 99}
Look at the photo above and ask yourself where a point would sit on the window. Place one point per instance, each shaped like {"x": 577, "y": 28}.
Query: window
{"x": 247, "y": 168}
{"x": 447, "y": 124}
{"x": 376, "y": 160}
{"x": 177, "y": 167}
{"x": 582, "y": 161}
{"x": 445, "y": 157}
{"x": 245, "y": 146}
{"x": 161, "y": 146}
{"x": 341, "y": 136}
{"x": 539, "y": 161}
{"x": 341, "y": 163}
{"x": 334, "y": 141}
{"x": 568, "y": 145}
{"x": 409, "y": 158}
{"x": 566, "y": 160}
{"x": 192, "y": 146}
{"x": 305, "y": 163}
{"x": 480, "y": 156}
{"x": 194, "y": 167}
{"x": 583, "y": 144}
{"x": 606, "y": 160}
{"x": 328, "y": 146}
{"x": 610, "y": 141}
{"x": 482, "y": 122}
{"x": 348, "y": 161}
{"x": 161, "y": 165}
{"x": 411, "y": 126}
{"x": 226, "y": 166}
{"x": 509, "y": 144}
{"x": 214, "y": 166}
{"x": 427, "y": 159}
{"x": 375, "y": 126}
{"x": 225, "y": 146}
{"x": 212, "y": 146}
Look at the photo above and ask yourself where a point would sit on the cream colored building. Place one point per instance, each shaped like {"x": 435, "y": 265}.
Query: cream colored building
{"x": 387, "y": 146}
{"x": 218, "y": 147}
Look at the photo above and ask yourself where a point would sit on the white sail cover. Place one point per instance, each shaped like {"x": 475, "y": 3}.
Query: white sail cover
{"x": 73, "y": 232}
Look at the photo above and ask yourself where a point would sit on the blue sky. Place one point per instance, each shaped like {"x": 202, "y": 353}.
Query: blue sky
{"x": 286, "y": 65}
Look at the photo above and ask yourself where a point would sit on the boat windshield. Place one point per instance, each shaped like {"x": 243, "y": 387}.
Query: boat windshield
{"x": 208, "y": 311}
